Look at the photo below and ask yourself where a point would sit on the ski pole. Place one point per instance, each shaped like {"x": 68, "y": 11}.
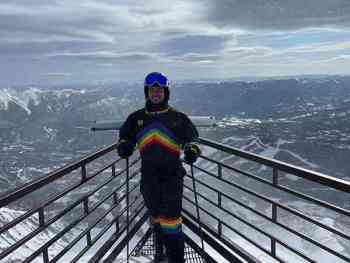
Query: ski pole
{"x": 197, "y": 207}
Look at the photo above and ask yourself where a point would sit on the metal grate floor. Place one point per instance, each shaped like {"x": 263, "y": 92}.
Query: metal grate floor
{"x": 145, "y": 248}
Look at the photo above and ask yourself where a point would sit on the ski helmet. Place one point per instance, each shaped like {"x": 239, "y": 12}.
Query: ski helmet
{"x": 157, "y": 79}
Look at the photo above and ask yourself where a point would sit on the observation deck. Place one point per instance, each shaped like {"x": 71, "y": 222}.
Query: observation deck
{"x": 92, "y": 211}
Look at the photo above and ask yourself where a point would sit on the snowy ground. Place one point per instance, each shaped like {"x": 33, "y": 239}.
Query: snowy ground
{"x": 142, "y": 259}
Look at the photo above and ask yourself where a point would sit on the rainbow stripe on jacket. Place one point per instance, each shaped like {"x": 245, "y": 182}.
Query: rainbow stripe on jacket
{"x": 169, "y": 225}
{"x": 156, "y": 133}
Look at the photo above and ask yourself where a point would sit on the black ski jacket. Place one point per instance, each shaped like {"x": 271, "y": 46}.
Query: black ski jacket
{"x": 159, "y": 136}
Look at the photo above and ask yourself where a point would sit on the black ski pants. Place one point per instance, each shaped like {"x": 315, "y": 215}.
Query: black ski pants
{"x": 162, "y": 188}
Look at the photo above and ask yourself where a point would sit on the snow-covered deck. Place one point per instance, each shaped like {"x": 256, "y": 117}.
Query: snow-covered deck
{"x": 141, "y": 259}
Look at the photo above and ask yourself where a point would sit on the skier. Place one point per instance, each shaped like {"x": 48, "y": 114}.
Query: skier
{"x": 160, "y": 133}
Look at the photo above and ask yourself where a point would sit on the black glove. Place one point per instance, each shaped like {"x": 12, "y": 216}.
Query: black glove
{"x": 125, "y": 149}
{"x": 191, "y": 151}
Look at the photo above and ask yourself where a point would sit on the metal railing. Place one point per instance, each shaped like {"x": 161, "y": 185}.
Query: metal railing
{"x": 116, "y": 201}
{"x": 217, "y": 197}
{"x": 242, "y": 213}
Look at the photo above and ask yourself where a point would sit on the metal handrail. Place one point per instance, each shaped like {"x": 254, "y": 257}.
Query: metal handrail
{"x": 58, "y": 196}
{"x": 214, "y": 236}
{"x": 291, "y": 210}
{"x": 45, "y": 222}
{"x": 276, "y": 166}
{"x": 85, "y": 232}
{"x": 317, "y": 177}
{"x": 49, "y": 178}
{"x": 53, "y": 220}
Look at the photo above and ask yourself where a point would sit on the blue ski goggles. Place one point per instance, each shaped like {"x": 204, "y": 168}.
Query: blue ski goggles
{"x": 156, "y": 78}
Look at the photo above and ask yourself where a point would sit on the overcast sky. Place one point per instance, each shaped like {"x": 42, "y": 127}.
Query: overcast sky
{"x": 106, "y": 40}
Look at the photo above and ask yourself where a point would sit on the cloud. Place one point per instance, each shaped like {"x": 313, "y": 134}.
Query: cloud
{"x": 57, "y": 74}
{"x": 337, "y": 59}
{"x": 67, "y": 20}
{"x": 197, "y": 58}
{"x": 123, "y": 25}
{"x": 106, "y": 56}
{"x": 322, "y": 47}
{"x": 278, "y": 15}
{"x": 188, "y": 37}
{"x": 241, "y": 52}
{"x": 193, "y": 44}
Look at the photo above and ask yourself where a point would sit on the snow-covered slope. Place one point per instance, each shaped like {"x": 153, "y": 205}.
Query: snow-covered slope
{"x": 21, "y": 230}
{"x": 303, "y": 122}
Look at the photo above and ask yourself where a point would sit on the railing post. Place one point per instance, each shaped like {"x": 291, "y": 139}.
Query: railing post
{"x": 220, "y": 177}
{"x": 83, "y": 172}
{"x": 127, "y": 209}
{"x": 219, "y": 199}
{"x": 220, "y": 228}
{"x": 86, "y": 212}
{"x": 113, "y": 169}
{"x": 115, "y": 200}
{"x": 86, "y": 203}
{"x": 219, "y": 206}
{"x": 197, "y": 206}
{"x": 274, "y": 211}
{"x": 42, "y": 224}
{"x": 41, "y": 217}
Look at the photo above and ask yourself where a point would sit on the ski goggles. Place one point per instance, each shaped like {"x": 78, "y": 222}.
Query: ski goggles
{"x": 156, "y": 78}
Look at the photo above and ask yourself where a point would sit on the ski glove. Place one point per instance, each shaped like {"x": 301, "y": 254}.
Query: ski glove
{"x": 125, "y": 149}
{"x": 191, "y": 152}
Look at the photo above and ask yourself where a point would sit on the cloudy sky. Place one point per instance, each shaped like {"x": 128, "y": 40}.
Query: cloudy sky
{"x": 105, "y": 40}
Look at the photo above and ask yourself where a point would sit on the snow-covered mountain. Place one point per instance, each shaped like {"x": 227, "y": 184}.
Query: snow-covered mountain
{"x": 301, "y": 121}
{"x": 42, "y": 128}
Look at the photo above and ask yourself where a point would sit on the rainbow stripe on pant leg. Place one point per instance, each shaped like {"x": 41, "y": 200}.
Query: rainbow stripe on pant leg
{"x": 171, "y": 226}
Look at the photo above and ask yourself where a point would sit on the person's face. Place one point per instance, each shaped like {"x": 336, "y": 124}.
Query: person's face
{"x": 156, "y": 94}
